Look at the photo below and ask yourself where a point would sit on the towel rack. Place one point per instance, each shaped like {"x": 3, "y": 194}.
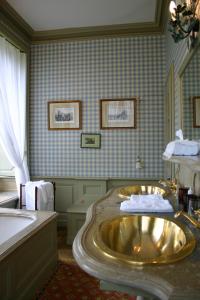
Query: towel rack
{"x": 36, "y": 195}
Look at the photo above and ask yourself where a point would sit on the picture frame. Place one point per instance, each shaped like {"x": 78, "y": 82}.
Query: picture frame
{"x": 196, "y": 111}
{"x": 118, "y": 113}
{"x": 64, "y": 115}
{"x": 91, "y": 140}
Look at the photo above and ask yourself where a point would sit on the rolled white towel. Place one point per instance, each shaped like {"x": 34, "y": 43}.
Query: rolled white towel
{"x": 146, "y": 203}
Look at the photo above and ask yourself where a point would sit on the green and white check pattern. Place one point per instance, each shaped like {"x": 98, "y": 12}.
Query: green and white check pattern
{"x": 89, "y": 71}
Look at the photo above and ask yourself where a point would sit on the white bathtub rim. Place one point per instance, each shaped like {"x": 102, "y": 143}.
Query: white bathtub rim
{"x": 41, "y": 218}
{"x": 12, "y": 224}
{"x": 24, "y": 215}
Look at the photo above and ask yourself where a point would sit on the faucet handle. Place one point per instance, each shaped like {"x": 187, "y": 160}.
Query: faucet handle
{"x": 197, "y": 212}
{"x": 178, "y": 213}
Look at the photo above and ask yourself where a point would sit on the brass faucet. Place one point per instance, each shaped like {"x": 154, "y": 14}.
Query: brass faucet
{"x": 170, "y": 184}
{"x": 189, "y": 218}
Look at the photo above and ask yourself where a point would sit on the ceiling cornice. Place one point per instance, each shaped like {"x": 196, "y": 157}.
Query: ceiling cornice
{"x": 18, "y": 22}
{"x": 147, "y": 28}
{"x": 96, "y": 32}
{"x": 164, "y": 14}
{"x": 13, "y": 28}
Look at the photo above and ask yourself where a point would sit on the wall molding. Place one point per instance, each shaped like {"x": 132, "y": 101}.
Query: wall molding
{"x": 13, "y": 26}
{"x": 93, "y": 32}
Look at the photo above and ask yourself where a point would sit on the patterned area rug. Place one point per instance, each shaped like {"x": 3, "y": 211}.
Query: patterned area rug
{"x": 71, "y": 283}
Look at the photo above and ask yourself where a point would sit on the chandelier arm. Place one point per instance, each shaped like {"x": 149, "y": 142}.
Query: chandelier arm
{"x": 195, "y": 7}
{"x": 182, "y": 29}
{"x": 185, "y": 20}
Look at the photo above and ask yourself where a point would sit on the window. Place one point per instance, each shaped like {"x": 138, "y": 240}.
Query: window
{"x": 13, "y": 75}
{"x": 6, "y": 169}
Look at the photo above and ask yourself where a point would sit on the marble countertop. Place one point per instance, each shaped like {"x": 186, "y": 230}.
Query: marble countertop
{"x": 180, "y": 280}
{"x": 192, "y": 162}
{"x": 7, "y": 196}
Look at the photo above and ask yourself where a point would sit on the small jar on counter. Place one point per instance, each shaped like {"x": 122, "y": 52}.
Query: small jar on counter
{"x": 193, "y": 202}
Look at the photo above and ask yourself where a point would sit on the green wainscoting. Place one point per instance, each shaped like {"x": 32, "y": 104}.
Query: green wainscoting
{"x": 74, "y": 196}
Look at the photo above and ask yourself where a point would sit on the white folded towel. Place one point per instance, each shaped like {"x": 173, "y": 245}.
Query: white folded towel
{"x": 45, "y": 195}
{"x": 184, "y": 147}
{"x": 48, "y": 196}
{"x": 146, "y": 203}
{"x": 30, "y": 193}
{"x": 181, "y": 147}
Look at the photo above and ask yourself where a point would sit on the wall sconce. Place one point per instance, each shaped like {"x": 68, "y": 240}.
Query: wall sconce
{"x": 184, "y": 22}
{"x": 139, "y": 164}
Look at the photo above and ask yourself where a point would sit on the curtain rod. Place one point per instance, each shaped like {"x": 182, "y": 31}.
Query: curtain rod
{"x": 12, "y": 43}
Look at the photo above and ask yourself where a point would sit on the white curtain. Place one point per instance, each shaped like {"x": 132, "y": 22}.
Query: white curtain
{"x": 13, "y": 108}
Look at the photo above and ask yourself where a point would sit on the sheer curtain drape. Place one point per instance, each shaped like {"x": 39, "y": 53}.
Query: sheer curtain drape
{"x": 13, "y": 108}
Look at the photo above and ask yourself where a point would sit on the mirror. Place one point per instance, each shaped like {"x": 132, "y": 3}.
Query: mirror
{"x": 190, "y": 91}
{"x": 196, "y": 112}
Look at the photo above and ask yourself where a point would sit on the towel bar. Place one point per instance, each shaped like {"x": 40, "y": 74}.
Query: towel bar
{"x": 36, "y": 196}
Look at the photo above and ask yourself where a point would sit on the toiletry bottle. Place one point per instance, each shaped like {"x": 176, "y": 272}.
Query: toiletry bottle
{"x": 182, "y": 197}
{"x": 190, "y": 208}
{"x": 192, "y": 201}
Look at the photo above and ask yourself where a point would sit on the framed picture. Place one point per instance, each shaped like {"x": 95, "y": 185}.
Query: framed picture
{"x": 91, "y": 140}
{"x": 64, "y": 115}
{"x": 118, "y": 113}
{"x": 196, "y": 111}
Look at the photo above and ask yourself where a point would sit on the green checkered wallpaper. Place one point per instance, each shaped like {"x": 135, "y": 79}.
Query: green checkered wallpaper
{"x": 89, "y": 71}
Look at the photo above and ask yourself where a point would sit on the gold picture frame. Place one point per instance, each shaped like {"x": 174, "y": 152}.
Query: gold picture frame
{"x": 118, "y": 113}
{"x": 64, "y": 115}
{"x": 196, "y": 111}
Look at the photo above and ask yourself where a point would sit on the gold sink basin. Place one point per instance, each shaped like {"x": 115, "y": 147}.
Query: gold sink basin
{"x": 144, "y": 239}
{"x": 126, "y": 192}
